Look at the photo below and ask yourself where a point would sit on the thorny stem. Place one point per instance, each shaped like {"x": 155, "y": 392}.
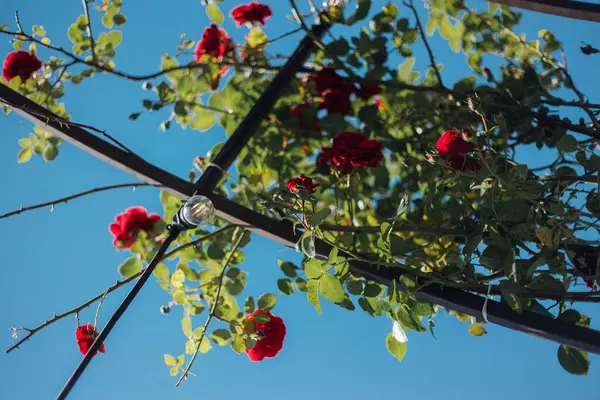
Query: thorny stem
{"x": 117, "y": 285}
{"x": 64, "y": 121}
{"x": 212, "y": 309}
{"x": 74, "y": 196}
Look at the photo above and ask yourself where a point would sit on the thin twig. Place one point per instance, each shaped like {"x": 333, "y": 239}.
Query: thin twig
{"x": 117, "y": 285}
{"x": 283, "y": 35}
{"x": 18, "y": 20}
{"x": 64, "y": 121}
{"x": 74, "y": 196}
{"x": 424, "y": 37}
{"x": 212, "y": 309}
{"x": 89, "y": 29}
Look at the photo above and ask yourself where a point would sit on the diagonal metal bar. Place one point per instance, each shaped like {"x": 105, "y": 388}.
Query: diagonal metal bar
{"x": 251, "y": 122}
{"x": 564, "y": 8}
{"x": 283, "y": 233}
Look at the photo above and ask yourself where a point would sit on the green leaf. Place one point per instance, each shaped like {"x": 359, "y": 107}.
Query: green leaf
{"x": 50, "y": 152}
{"x": 319, "y": 217}
{"x": 285, "y": 286}
{"x": 113, "y": 38}
{"x": 180, "y": 360}
{"x": 204, "y": 119}
{"x": 313, "y": 294}
{"x": 572, "y": 316}
{"x": 173, "y": 371}
{"x": 119, "y": 19}
{"x": 396, "y": 348}
{"x": 405, "y": 317}
{"x": 573, "y": 360}
{"x": 267, "y": 301}
{"x": 25, "y": 143}
{"x": 256, "y": 37}
{"x": 477, "y": 330}
{"x": 507, "y": 290}
{"x": 179, "y": 297}
{"x": 166, "y": 94}
{"x": 161, "y": 272}
{"x": 170, "y": 360}
{"x": 567, "y": 144}
{"x": 130, "y": 267}
{"x": 288, "y": 268}
{"x": 186, "y": 326}
{"x": 548, "y": 239}
{"x": 331, "y": 288}
{"x": 250, "y": 342}
{"x": 190, "y": 347}
{"x": 301, "y": 285}
{"x": 214, "y": 13}
{"x": 197, "y": 308}
{"x": 313, "y": 268}
{"x": 249, "y": 305}
{"x": 355, "y": 287}
{"x": 306, "y": 244}
{"x": 238, "y": 344}
{"x": 221, "y": 337}
{"x": 362, "y": 10}
{"x": 205, "y": 346}
{"x": 178, "y": 278}
{"x": 24, "y": 155}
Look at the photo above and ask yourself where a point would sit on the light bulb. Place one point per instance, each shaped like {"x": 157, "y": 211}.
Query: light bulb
{"x": 198, "y": 210}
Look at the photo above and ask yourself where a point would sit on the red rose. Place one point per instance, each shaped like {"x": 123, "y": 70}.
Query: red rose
{"x": 20, "y": 63}
{"x": 129, "y": 223}
{"x": 251, "y": 13}
{"x": 299, "y": 110}
{"x": 585, "y": 262}
{"x": 368, "y": 90}
{"x": 352, "y": 149}
{"x": 302, "y": 182}
{"x": 453, "y": 147}
{"x": 336, "y": 101}
{"x": 327, "y": 79}
{"x": 214, "y": 43}
{"x": 452, "y": 144}
{"x": 85, "y": 336}
{"x": 271, "y": 335}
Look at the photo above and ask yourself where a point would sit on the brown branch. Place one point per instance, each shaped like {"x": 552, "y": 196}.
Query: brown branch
{"x": 117, "y": 285}
{"x": 212, "y": 309}
{"x": 424, "y": 37}
{"x": 74, "y": 196}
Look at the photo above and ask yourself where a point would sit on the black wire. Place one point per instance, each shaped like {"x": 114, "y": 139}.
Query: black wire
{"x": 172, "y": 235}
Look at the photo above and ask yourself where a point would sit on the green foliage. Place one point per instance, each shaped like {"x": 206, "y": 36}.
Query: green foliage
{"x": 267, "y": 301}
{"x": 396, "y": 348}
{"x": 130, "y": 267}
{"x": 499, "y": 226}
{"x": 573, "y": 360}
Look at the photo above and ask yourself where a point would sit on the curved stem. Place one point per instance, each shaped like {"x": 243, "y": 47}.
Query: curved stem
{"x": 117, "y": 285}
{"x": 212, "y": 309}
{"x": 74, "y": 196}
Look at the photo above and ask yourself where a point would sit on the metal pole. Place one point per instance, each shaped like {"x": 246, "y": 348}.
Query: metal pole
{"x": 172, "y": 235}
{"x": 563, "y": 8}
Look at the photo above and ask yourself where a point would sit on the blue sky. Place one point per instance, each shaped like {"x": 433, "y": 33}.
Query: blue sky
{"x": 55, "y": 261}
